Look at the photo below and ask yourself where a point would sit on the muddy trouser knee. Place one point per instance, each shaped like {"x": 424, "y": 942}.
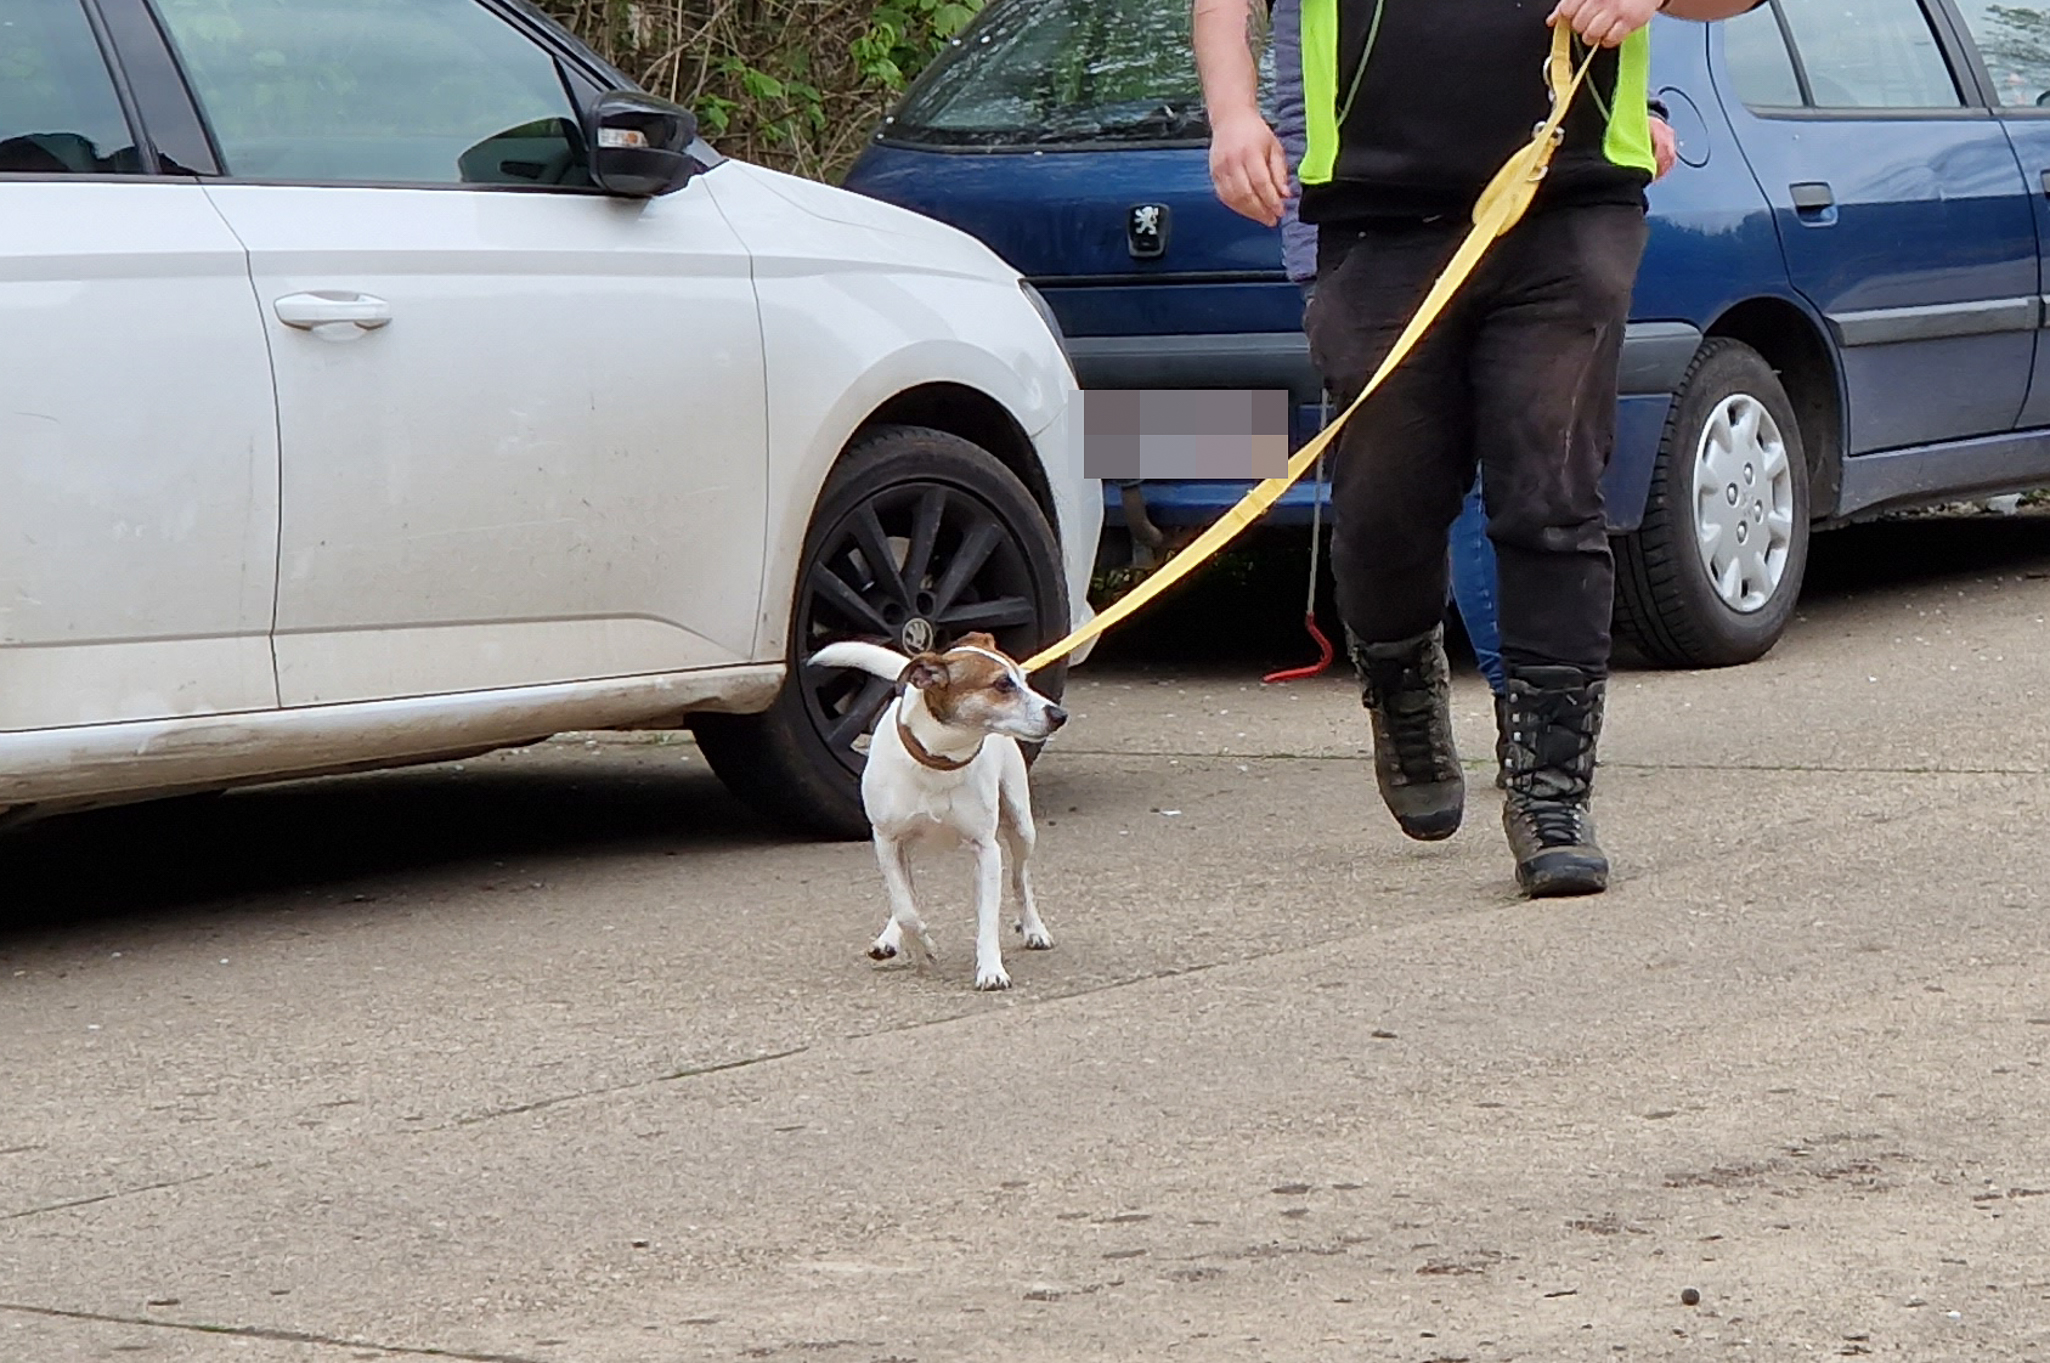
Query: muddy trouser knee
{"x": 1519, "y": 377}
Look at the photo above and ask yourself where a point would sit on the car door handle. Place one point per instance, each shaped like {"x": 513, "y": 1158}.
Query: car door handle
{"x": 1812, "y": 196}
{"x": 322, "y": 307}
{"x": 2046, "y": 182}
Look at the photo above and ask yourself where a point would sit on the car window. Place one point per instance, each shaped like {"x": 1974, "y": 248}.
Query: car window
{"x": 59, "y": 114}
{"x": 1760, "y": 66}
{"x": 1040, "y": 72}
{"x": 377, "y": 91}
{"x": 1870, "y": 54}
{"x": 2015, "y": 41}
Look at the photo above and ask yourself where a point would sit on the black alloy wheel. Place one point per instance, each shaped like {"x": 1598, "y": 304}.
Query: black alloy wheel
{"x": 919, "y": 538}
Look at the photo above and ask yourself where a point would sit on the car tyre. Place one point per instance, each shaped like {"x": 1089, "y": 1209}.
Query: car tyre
{"x": 967, "y": 549}
{"x": 1712, "y": 575}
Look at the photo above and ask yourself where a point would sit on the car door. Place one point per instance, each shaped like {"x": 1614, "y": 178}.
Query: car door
{"x": 523, "y": 427}
{"x": 2013, "y": 44}
{"x": 1901, "y": 207}
{"x": 138, "y": 437}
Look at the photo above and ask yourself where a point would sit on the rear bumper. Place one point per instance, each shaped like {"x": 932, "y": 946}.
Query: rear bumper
{"x": 1252, "y": 359}
{"x": 1655, "y": 356}
{"x": 1655, "y": 359}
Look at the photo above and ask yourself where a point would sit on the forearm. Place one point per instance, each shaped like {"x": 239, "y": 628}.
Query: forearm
{"x": 1223, "y": 33}
{"x": 1707, "y": 10}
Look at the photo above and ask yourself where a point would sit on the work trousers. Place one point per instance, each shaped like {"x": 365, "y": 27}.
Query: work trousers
{"x": 1518, "y": 377}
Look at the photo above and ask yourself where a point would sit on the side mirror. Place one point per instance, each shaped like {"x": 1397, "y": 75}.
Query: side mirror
{"x": 640, "y": 145}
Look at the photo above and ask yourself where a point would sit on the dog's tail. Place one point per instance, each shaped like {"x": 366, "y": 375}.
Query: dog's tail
{"x": 874, "y": 659}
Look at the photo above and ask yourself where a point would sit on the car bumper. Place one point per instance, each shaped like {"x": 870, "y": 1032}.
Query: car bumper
{"x": 1655, "y": 359}
{"x": 1078, "y": 511}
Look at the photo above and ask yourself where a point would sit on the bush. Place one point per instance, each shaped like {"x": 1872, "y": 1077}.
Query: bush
{"x": 795, "y": 84}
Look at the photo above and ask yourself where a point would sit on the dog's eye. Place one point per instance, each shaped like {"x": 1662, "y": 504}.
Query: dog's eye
{"x": 1005, "y": 686}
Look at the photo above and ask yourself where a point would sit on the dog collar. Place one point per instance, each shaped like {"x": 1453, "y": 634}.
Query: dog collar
{"x": 924, "y": 756}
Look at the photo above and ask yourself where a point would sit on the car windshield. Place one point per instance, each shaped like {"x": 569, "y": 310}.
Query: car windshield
{"x": 1033, "y": 73}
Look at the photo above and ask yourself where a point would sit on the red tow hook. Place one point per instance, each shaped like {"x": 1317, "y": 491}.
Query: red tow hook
{"x": 1316, "y": 669}
{"x": 1324, "y": 650}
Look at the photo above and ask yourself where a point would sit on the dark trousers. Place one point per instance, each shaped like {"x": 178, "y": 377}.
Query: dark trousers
{"x": 1517, "y": 377}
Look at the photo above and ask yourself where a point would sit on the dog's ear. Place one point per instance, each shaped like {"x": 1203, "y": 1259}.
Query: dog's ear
{"x": 982, "y": 641}
{"x": 924, "y": 672}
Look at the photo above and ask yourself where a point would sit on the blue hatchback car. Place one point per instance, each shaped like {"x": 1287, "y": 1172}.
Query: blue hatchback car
{"x": 1841, "y": 311}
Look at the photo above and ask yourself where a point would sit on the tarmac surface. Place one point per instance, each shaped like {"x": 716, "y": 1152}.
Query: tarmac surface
{"x": 559, "y": 1056}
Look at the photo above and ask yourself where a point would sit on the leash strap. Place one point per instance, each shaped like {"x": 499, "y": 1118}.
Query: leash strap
{"x": 1500, "y": 207}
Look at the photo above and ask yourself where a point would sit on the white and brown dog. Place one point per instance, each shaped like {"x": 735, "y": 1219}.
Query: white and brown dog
{"x": 944, "y": 769}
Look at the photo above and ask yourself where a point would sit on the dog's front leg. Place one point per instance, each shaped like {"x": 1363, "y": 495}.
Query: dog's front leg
{"x": 894, "y": 857}
{"x": 989, "y": 904}
{"x": 1020, "y": 837}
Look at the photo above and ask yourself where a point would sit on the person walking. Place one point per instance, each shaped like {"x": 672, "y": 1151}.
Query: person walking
{"x": 1410, "y": 106}
{"x": 1472, "y": 566}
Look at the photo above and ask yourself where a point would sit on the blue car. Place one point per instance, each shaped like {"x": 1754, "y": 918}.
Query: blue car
{"x": 1841, "y": 311}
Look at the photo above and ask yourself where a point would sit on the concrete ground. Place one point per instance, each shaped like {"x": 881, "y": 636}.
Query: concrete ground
{"x": 558, "y": 1056}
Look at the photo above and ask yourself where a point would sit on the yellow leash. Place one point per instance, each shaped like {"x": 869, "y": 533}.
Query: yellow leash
{"x": 1501, "y": 206}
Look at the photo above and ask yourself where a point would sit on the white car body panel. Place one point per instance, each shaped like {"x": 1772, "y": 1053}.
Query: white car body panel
{"x": 90, "y": 764}
{"x": 566, "y": 485}
{"x": 548, "y": 466}
{"x": 861, "y": 301}
{"x": 138, "y": 523}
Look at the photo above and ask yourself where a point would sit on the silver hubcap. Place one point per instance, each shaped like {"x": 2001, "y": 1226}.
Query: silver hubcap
{"x": 1743, "y": 503}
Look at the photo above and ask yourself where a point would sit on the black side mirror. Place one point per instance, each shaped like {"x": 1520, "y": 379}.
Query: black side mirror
{"x": 640, "y": 144}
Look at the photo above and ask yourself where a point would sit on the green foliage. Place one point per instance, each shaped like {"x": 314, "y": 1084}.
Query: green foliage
{"x": 797, "y": 84}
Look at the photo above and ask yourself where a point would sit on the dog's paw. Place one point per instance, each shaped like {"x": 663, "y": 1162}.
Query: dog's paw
{"x": 989, "y": 977}
{"x": 887, "y": 942}
{"x": 1037, "y": 938}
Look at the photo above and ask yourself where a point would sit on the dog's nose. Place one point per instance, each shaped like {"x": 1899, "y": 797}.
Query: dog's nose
{"x": 1056, "y": 716}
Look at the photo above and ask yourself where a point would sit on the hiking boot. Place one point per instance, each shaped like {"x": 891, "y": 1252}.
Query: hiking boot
{"x": 1551, "y": 720}
{"x": 1407, "y": 689}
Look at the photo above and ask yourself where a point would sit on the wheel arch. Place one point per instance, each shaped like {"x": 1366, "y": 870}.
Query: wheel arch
{"x": 976, "y": 417}
{"x": 1007, "y": 394}
{"x": 951, "y": 406}
{"x": 1794, "y": 344}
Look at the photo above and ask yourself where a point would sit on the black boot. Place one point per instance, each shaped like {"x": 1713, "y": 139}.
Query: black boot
{"x": 1552, "y": 719}
{"x": 1407, "y": 689}
{"x": 1501, "y": 742}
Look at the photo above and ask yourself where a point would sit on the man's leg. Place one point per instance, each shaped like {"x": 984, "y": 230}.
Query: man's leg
{"x": 1474, "y": 587}
{"x": 1403, "y": 465}
{"x": 1545, "y": 367}
{"x": 1472, "y": 569}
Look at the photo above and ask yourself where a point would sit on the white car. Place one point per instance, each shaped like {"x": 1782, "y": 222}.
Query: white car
{"x": 382, "y": 383}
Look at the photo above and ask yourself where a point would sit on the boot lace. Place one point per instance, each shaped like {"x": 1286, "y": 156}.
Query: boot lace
{"x": 1404, "y": 695}
{"x": 1549, "y": 750}
{"x": 1413, "y": 730}
{"x": 1557, "y": 822}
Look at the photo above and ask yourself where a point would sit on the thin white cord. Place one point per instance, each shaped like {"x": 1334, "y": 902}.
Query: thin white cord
{"x": 1317, "y": 507}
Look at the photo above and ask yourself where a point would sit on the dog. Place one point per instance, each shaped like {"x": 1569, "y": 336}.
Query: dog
{"x": 944, "y": 769}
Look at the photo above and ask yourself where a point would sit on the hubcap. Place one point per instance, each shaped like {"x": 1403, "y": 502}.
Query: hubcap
{"x": 915, "y": 566}
{"x": 1743, "y": 503}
